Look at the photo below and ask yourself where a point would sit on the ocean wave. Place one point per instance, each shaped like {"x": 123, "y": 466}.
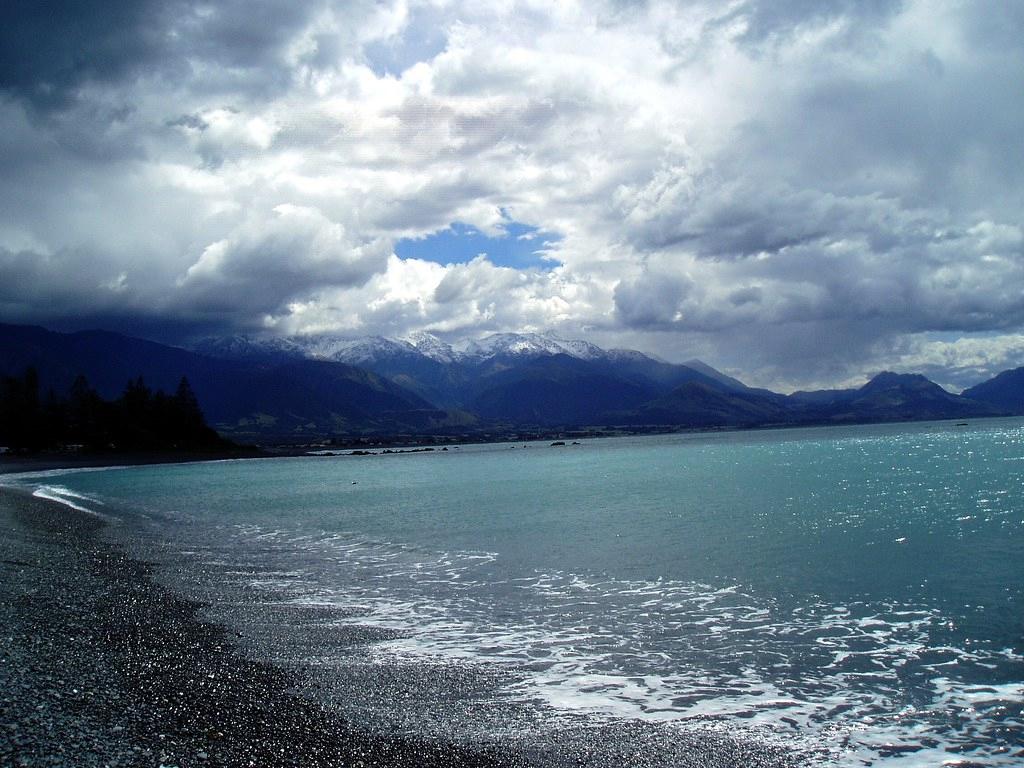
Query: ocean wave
{"x": 68, "y": 498}
{"x": 865, "y": 681}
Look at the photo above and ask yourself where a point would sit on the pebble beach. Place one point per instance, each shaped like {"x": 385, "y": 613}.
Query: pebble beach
{"x": 102, "y": 664}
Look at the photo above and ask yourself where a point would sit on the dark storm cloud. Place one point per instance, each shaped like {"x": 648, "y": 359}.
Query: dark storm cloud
{"x": 243, "y": 44}
{"x": 815, "y": 185}
{"x": 50, "y": 47}
{"x": 857, "y": 206}
{"x": 652, "y": 300}
{"x": 266, "y": 263}
{"x": 970, "y": 282}
{"x": 241, "y": 33}
{"x": 38, "y": 285}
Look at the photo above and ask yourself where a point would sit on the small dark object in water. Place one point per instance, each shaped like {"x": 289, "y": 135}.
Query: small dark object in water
{"x": 557, "y": 442}
{"x": 961, "y": 423}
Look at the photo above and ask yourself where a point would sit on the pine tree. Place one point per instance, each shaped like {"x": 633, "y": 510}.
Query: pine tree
{"x": 187, "y": 406}
{"x": 87, "y": 415}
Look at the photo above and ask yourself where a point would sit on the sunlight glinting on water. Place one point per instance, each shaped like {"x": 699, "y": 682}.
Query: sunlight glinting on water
{"x": 853, "y": 594}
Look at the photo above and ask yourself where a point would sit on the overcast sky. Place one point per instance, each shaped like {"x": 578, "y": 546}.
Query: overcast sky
{"x": 799, "y": 191}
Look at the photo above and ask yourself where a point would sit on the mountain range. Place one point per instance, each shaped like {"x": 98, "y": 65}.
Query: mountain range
{"x": 298, "y": 388}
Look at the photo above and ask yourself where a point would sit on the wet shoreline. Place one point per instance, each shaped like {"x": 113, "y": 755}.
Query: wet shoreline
{"x": 104, "y": 664}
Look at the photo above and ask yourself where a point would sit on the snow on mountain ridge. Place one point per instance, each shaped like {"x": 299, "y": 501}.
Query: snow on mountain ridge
{"x": 369, "y": 349}
{"x": 429, "y": 345}
{"x": 531, "y": 344}
{"x": 355, "y": 351}
{"x": 582, "y": 349}
{"x": 619, "y": 355}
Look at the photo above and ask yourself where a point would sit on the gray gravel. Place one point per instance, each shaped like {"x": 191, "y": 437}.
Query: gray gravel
{"x": 102, "y": 665}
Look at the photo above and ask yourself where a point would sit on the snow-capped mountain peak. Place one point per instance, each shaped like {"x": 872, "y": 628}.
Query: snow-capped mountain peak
{"x": 526, "y": 344}
{"x": 581, "y": 349}
{"x": 356, "y": 351}
{"x": 429, "y": 345}
{"x": 368, "y": 350}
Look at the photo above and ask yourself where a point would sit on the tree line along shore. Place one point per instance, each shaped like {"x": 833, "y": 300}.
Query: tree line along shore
{"x": 141, "y": 419}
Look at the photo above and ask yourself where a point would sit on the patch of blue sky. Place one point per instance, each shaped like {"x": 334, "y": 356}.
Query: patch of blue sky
{"x": 520, "y": 247}
{"x": 423, "y": 37}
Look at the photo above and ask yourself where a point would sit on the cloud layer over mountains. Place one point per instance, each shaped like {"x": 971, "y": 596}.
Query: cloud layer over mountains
{"x": 801, "y": 191}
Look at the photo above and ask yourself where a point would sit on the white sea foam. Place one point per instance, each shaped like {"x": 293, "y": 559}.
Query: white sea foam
{"x": 904, "y": 682}
{"x": 39, "y": 474}
{"x": 869, "y": 677}
{"x": 68, "y": 498}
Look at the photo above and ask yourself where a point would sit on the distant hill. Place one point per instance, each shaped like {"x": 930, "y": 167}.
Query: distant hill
{"x": 541, "y": 380}
{"x": 435, "y": 379}
{"x": 1004, "y": 391}
{"x": 289, "y": 396}
{"x": 323, "y": 386}
{"x": 588, "y": 378}
{"x": 728, "y": 381}
{"x": 698, "y": 404}
{"x": 820, "y": 397}
{"x": 887, "y": 397}
{"x": 555, "y": 390}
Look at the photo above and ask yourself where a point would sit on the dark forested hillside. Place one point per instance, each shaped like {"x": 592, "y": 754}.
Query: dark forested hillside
{"x": 291, "y": 397}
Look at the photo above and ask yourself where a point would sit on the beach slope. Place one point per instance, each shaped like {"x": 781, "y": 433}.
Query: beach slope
{"x": 99, "y": 665}
{"x": 102, "y": 665}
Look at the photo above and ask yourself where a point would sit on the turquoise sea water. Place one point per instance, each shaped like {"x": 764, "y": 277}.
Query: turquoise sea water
{"x": 854, "y": 592}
